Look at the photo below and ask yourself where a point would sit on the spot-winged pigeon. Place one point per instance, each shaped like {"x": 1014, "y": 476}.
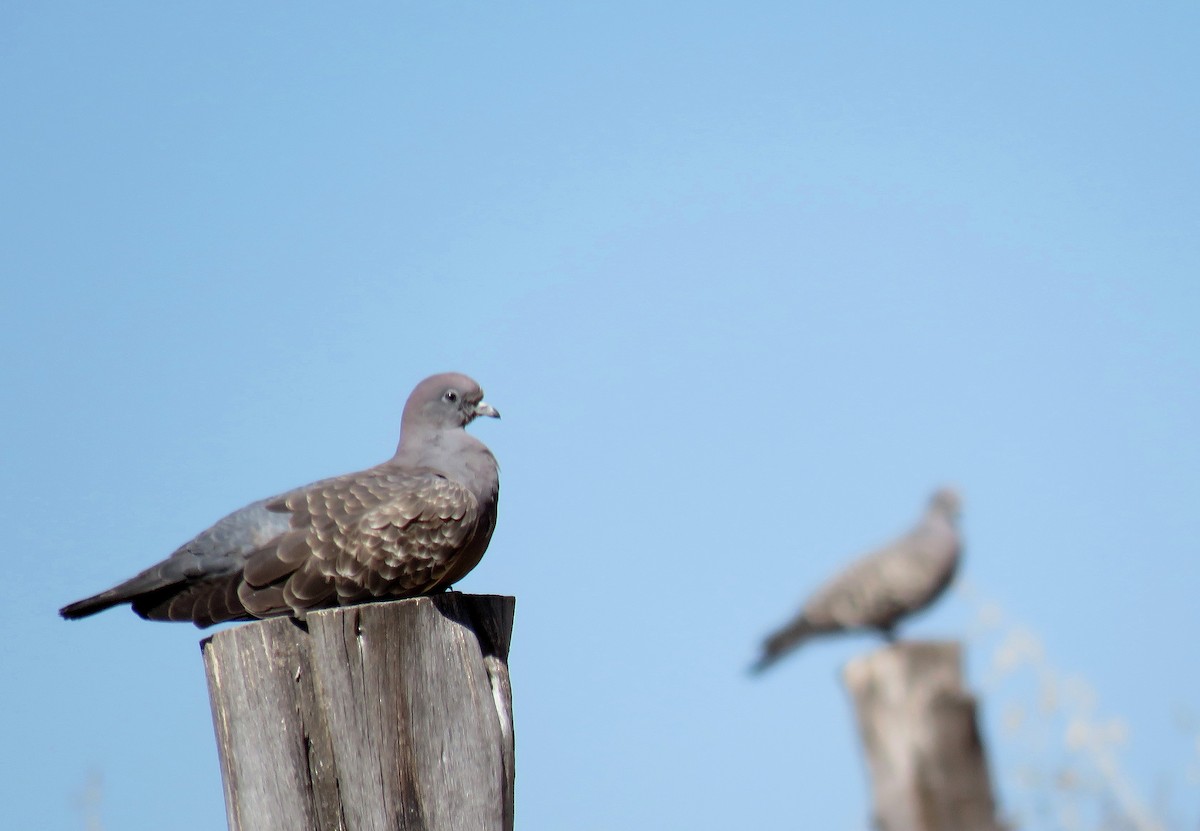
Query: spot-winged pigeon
{"x": 881, "y": 588}
{"x": 413, "y": 525}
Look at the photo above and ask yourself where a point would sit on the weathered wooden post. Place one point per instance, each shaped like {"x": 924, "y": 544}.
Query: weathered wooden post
{"x": 377, "y": 717}
{"x": 918, "y": 725}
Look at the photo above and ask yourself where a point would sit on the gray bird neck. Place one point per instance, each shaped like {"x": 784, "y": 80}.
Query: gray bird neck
{"x": 937, "y": 525}
{"x": 936, "y": 518}
{"x": 453, "y": 452}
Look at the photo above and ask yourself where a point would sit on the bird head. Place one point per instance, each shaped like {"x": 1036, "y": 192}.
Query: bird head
{"x": 947, "y": 501}
{"x": 445, "y": 402}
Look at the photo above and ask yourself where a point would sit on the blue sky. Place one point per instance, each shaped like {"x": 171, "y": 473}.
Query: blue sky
{"x": 746, "y": 280}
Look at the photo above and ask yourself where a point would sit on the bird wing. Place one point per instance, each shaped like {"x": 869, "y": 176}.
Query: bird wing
{"x": 386, "y": 532}
{"x": 884, "y": 586}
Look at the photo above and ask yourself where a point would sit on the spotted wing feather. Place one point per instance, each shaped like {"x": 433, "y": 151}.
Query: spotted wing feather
{"x": 382, "y": 533}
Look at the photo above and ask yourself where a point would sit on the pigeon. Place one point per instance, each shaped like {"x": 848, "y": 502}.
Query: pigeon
{"x": 882, "y": 587}
{"x": 414, "y": 525}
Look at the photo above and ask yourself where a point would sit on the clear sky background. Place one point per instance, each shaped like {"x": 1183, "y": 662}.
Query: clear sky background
{"x": 747, "y": 281}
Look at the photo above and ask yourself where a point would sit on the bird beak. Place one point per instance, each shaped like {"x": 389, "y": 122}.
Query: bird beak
{"x": 485, "y": 409}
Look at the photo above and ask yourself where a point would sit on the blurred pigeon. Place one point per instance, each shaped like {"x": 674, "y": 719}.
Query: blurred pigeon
{"x": 884, "y": 586}
{"x": 413, "y": 525}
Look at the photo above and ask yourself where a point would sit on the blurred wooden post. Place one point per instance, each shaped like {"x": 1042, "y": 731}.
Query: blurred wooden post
{"x": 918, "y": 725}
{"x": 392, "y": 715}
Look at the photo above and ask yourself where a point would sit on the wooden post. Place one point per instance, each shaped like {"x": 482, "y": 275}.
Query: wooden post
{"x": 918, "y": 725}
{"x": 393, "y": 715}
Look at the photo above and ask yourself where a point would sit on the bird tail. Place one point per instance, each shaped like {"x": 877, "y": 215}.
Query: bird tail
{"x": 781, "y": 643}
{"x": 149, "y": 581}
{"x": 96, "y": 603}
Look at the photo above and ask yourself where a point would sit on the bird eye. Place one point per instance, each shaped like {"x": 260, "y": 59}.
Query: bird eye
{"x": 451, "y": 396}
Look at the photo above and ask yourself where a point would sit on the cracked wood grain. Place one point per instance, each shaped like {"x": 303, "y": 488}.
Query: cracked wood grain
{"x": 393, "y": 715}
